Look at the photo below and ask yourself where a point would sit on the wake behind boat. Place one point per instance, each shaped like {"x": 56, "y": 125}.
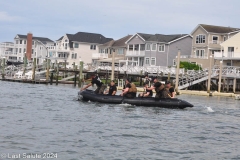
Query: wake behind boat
{"x": 87, "y": 95}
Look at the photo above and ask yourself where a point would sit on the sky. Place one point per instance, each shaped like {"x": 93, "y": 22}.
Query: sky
{"x": 112, "y": 18}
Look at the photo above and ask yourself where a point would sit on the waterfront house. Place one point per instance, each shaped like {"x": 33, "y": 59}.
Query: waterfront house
{"x": 6, "y": 50}
{"x": 230, "y": 53}
{"x": 42, "y": 47}
{"x": 73, "y": 47}
{"x": 156, "y": 49}
{"x": 206, "y": 40}
{"x": 119, "y": 47}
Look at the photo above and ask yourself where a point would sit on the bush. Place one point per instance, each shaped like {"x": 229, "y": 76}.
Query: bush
{"x": 190, "y": 66}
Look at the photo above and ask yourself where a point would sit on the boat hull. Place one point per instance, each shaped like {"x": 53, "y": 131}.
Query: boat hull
{"x": 137, "y": 101}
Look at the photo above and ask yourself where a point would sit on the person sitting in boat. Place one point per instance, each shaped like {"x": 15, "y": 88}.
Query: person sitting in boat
{"x": 147, "y": 93}
{"x": 155, "y": 80}
{"x": 161, "y": 91}
{"x": 170, "y": 89}
{"x": 129, "y": 90}
{"x": 100, "y": 86}
{"x": 112, "y": 89}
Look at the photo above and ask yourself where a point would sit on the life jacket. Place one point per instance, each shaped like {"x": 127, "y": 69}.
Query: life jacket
{"x": 133, "y": 88}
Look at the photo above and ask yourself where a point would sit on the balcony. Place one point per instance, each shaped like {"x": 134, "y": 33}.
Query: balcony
{"x": 215, "y": 42}
{"x": 99, "y": 55}
{"x": 135, "y": 54}
{"x": 226, "y": 55}
{"x": 193, "y": 56}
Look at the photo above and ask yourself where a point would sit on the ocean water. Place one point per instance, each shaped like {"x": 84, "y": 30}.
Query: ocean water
{"x": 48, "y": 122}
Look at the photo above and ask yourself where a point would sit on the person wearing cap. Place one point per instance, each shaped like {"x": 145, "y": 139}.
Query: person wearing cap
{"x": 155, "y": 80}
{"x": 161, "y": 91}
{"x": 129, "y": 90}
{"x": 148, "y": 93}
{"x": 100, "y": 86}
{"x": 170, "y": 89}
{"x": 112, "y": 89}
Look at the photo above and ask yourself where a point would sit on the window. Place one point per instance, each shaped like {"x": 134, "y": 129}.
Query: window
{"x": 136, "y": 47}
{"x": 19, "y": 58}
{"x": 147, "y": 61}
{"x": 147, "y": 47}
{"x": 161, "y": 48}
{"x": 93, "y": 47}
{"x": 215, "y": 39}
{"x": 174, "y": 62}
{"x": 200, "y": 53}
{"x": 106, "y": 50}
{"x": 24, "y": 50}
{"x": 66, "y": 40}
{"x": 154, "y": 47}
{"x": 75, "y": 56}
{"x": 200, "y": 38}
{"x": 16, "y": 41}
{"x": 153, "y": 61}
{"x": 130, "y": 47}
{"x": 101, "y": 50}
{"x": 25, "y": 41}
{"x": 20, "y": 42}
{"x": 32, "y": 51}
{"x": 32, "y": 42}
{"x": 72, "y": 56}
{"x": 16, "y": 50}
{"x": 20, "y": 50}
{"x": 142, "y": 47}
{"x": 76, "y": 45}
{"x": 65, "y": 45}
{"x": 120, "y": 51}
{"x": 224, "y": 38}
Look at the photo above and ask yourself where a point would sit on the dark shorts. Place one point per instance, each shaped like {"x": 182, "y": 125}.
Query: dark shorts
{"x": 101, "y": 89}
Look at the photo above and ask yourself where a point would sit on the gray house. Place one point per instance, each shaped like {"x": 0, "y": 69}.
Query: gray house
{"x": 156, "y": 49}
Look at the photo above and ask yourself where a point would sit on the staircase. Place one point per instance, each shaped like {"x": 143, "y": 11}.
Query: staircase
{"x": 193, "y": 77}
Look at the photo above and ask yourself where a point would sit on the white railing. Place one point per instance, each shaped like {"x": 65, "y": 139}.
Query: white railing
{"x": 193, "y": 56}
{"x": 99, "y": 55}
{"x": 135, "y": 53}
{"x": 227, "y": 55}
{"x": 129, "y": 69}
{"x": 215, "y": 42}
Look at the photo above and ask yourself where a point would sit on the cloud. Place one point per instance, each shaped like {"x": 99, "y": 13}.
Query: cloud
{"x": 5, "y": 17}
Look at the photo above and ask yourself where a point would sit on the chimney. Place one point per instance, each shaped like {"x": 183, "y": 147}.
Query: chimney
{"x": 29, "y": 46}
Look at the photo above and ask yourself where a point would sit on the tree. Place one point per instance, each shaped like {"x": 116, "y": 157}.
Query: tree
{"x": 190, "y": 66}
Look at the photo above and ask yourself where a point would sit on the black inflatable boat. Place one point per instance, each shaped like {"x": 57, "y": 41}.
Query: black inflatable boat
{"x": 87, "y": 95}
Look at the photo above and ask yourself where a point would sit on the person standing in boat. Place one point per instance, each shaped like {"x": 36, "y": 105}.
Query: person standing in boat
{"x": 170, "y": 89}
{"x": 129, "y": 90}
{"x": 147, "y": 93}
{"x": 112, "y": 89}
{"x": 100, "y": 86}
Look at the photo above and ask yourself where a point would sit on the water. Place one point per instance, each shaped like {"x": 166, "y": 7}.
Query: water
{"x": 39, "y": 119}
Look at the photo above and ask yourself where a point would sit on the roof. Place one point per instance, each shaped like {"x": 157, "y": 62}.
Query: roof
{"x": 42, "y": 39}
{"x": 219, "y": 29}
{"x": 88, "y": 37}
{"x": 121, "y": 42}
{"x": 161, "y": 37}
{"x": 60, "y": 38}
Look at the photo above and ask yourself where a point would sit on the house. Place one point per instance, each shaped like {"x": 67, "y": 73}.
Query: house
{"x": 6, "y": 50}
{"x": 42, "y": 47}
{"x": 73, "y": 47}
{"x": 156, "y": 49}
{"x": 230, "y": 53}
{"x": 106, "y": 51}
{"x": 206, "y": 40}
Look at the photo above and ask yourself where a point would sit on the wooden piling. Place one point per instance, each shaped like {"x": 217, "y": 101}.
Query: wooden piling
{"x": 80, "y": 74}
{"x": 47, "y": 73}
{"x": 75, "y": 79}
{"x": 51, "y": 78}
{"x": 57, "y": 73}
{"x": 177, "y": 71}
{"x": 209, "y": 74}
{"x": 220, "y": 77}
{"x": 3, "y": 69}
{"x": 234, "y": 85}
{"x": 34, "y": 69}
{"x": 113, "y": 65}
